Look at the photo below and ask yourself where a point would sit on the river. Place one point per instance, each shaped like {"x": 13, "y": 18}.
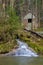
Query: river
{"x": 24, "y": 55}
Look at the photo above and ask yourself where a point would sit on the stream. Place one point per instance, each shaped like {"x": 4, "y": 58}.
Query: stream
{"x": 23, "y": 55}
{"x": 22, "y": 50}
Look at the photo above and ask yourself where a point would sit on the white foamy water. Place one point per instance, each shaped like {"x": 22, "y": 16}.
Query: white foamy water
{"x": 24, "y": 50}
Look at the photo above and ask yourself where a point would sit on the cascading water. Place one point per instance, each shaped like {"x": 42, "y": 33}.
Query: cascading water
{"x": 23, "y": 50}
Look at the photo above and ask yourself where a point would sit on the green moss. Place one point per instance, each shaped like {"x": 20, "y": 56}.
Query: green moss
{"x": 38, "y": 48}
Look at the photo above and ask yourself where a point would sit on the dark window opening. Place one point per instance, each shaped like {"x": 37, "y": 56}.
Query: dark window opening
{"x": 29, "y": 20}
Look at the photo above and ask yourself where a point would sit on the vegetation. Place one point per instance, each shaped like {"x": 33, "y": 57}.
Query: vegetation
{"x": 8, "y": 28}
{"x": 39, "y": 29}
{"x": 11, "y": 13}
{"x": 36, "y": 44}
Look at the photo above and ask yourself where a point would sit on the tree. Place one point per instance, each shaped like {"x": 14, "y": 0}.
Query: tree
{"x": 42, "y": 4}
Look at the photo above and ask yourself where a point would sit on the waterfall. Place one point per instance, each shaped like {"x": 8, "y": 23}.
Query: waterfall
{"x": 23, "y": 50}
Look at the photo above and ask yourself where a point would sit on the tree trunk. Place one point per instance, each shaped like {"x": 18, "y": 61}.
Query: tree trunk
{"x": 36, "y": 16}
{"x": 11, "y": 3}
{"x": 42, "y": 4}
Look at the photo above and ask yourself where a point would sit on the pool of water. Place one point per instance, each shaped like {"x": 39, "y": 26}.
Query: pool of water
{"x": 21, "y": 60}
